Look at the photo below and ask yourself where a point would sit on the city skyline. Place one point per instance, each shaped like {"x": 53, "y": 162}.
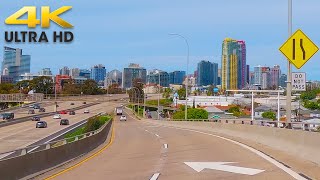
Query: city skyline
{"x": 138, "y": 32}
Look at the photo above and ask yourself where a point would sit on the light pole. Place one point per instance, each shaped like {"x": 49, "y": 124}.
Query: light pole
{"x": 187, "y": 83}
{"x": 288, "y": 103}
{"x": 138, "y": 97}
{"x": 135, "y": 92}
{"x": 159, "y": 97}
{"x": 144, "y": 101}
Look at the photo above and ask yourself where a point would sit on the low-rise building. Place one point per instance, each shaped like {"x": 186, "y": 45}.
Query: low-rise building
{"x": 6, "y": 79}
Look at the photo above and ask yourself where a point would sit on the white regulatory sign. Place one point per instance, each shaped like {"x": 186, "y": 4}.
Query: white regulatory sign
{"x": 298, "y": 81}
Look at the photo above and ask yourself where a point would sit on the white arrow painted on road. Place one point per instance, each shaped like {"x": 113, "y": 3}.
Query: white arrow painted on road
{"x": 221, "y": 166}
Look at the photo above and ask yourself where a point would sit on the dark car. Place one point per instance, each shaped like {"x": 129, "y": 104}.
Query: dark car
{"x": 64, "y": 122}
{"x": 36, "y": 106}
{"x": 35, "y": 118}
{"x": 84, "y": 103}
{"x": 31, "y": 111}
{"x": 42, "y": 110}
{"x": 72, "y": 113}
{"x": 8, "y": 115}
{"x": 41, "y": 124}
{"x": 71, "y": 104}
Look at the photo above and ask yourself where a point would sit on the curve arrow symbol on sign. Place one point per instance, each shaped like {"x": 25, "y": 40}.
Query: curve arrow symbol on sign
{"x": 222, "y": 166}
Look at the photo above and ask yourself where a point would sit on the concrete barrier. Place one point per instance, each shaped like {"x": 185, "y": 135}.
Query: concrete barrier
{"x": 25, "y": 165}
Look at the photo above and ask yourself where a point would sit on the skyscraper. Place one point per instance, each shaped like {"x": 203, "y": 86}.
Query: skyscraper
{"x": 258, "y": 75}
{"x": 265, "y": 78}
{"x": 207, "y": 73}
{"x": 176, "y": 77}
{"x": 75, "y": 72}
{"x": 64, "y": 71}
{"x": 134, "y": 71}
{"x": 233, "y": 64}
{"x": 113, "y": 77}
{"x": 153, "y": 78}
{"x": 14, "y": 63}
{"x": 98, "y": 73}
{"x": 275, "y": 76}
{"x": 248, "y": 74}
{"x": 85, "y": 73}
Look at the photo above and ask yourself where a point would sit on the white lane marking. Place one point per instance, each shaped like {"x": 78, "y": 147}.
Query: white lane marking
{"x": 155, "y": 176}
{"x": 274, "y": 162}
{"x": 6, "y": 154}
{"x": 165, "y": 146}
{"x": 157, "y": 135}
{"x": 58, "y": 135}
{"x": 146, "y": 130}
{"x": 222, "y": 166}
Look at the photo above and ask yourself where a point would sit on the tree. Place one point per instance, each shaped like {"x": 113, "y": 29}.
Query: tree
{"x": 136, "y": 92}
{"x": 269, "y": 115}
{"x": 210, "y": 91}
{"x": 114, "y": 89}
{"x": 7, "y": 88}
{"x": 42, "y": 84}
{"x": 69, "y": 87}
{"x": 166, "y": 93}
{"x": 90, "y": 87}
{"x": 182, "y": 93}
{"x": 192, "y": 114}
{"x": 235, "y": 110}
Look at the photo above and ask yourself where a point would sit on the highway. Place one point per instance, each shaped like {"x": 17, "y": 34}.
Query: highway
{"x": 23, "y": 134}
{"x": 144, "y": 149}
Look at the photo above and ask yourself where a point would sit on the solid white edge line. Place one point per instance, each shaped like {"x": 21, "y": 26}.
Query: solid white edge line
{"x": 165, "y": 146}
{"x": 6, "y": 154}
{"x": 155, "y": 176}
{"x": 262, "y": 155}
{"x": 157, "y": 135}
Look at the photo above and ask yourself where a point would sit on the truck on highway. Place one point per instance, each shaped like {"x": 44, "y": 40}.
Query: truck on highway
{"x": 7, "y": 115}
{"x": 119, "y": 110}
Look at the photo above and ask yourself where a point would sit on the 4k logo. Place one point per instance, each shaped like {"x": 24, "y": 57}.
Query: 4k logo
{"x": 46, "y": 17}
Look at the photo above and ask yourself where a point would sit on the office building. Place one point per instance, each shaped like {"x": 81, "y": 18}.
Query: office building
{"x": 134, "y": 71}
{"x": 113, "y": 77}
{"x": 60, "y": 81}
{"x": 79, "y": 80}
{"x": 75, "y": 72}
{"x": 265, "y": 78}
{"x": 207, "y": 73}
{"x": 248, "y": 75}
{"x": 15, "y": 63}
{"x": 153, "y": 78}
{"x": 176, "y": 77}
{"x": 283, "y": 80}
{"x": 6, "y": 79}
{"x": 64, "y": 71}
{"x": 85, "y": 73}
{"x": 98, "y": 73}
{"x": 45, "y": 72}
{"x": 275, "y": 76}
{"x": 233, "y": 64}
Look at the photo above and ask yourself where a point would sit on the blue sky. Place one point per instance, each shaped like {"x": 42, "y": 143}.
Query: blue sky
{"x": 117, "y": 32}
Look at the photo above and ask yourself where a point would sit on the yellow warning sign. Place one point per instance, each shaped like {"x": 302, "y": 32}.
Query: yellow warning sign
{"x": 298, "y": 49}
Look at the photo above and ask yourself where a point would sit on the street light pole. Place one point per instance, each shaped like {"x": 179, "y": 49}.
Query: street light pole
{"x": 288, "y": 103}
{"x": 159, "y": 97}
{"x": 187, "y": 83}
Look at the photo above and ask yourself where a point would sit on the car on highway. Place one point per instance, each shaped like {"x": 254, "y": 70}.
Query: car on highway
{"x": 41, "y": 124}
{"x": 35, "y": 118}
{"x": 72, "y": 113}
{"x": 42, "y": 110}
{"x": 63, "y": 112}
{"x": 57, "y": 116}
{"x": 123, "y": 118}
{"x": 36, "y": 106}
{"x": 7, "y": 115}
{"x": 31, "y": 111}
{"x": 64, "y": 122}
{"x": 71, "y": 104}
{"x": 84, "y": 103}
{"x": 31, "y": 105}
{"x": 86, "y": 111}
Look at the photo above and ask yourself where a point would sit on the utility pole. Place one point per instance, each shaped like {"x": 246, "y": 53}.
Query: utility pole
{"x": 289, "y": 78}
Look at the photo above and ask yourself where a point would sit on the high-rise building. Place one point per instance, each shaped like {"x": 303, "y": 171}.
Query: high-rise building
{"x": 252, "y": 79}
{"x": 98, "y": 73}
{"x": 258, "y": 75}
{"x": 265, "y": 78}
{"x": 153, "y": 78}
{"x": 282, "y": 80}
{"x": 113, "y": 77}
{"x": 233, "y": 64}
{"x": 248, "y": 75}
{"x": 85, "y": 73}
{"x": 275, "y": 76}
{"x": 134, "y": 71}
{"x": 75, "y": 72}
{"x": 45, "y": 72}
{"x": 64, "y": 71}
{"x": 242, "y": 66}
{"x": 14, "y": 63}
{"x": 176, "y": 77}
{"x": 207, "y": 73}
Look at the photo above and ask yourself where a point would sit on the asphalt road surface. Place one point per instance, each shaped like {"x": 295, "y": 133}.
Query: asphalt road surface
{"x": 143, "y": 150}
{"x": 23, "y": 134}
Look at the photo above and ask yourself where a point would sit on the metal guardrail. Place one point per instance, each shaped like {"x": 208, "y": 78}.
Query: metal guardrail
{"x": 291, "y": 125}
{"x": 53, "y": 144}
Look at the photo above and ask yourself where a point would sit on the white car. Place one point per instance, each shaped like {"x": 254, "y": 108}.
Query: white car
{"x": 86, "y": 111}
{"x": 57, "y": 116}
{"x": 123, "y": 118}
